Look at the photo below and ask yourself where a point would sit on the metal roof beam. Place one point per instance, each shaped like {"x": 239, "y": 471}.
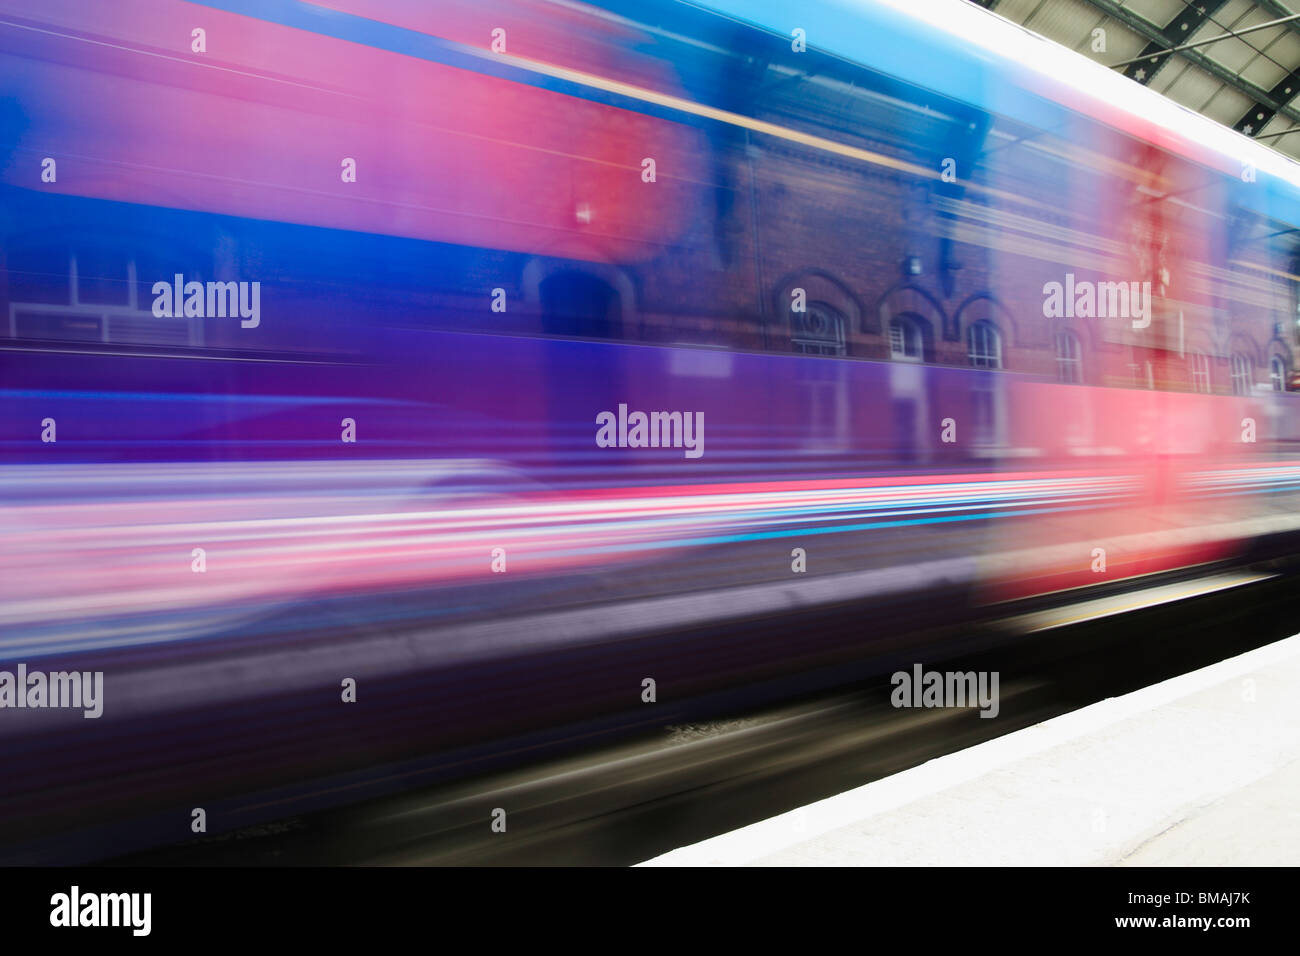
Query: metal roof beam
{"x": 1284, "y": 91}
{"x": 1231, "y": 34}
{"x": 1279, "y": 10}
{"x": 1145, "y": 28}
{"x": 1143, "y": 69}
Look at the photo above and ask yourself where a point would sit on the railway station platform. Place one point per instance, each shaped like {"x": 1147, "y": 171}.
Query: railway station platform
{"x": 1199, "y": 770}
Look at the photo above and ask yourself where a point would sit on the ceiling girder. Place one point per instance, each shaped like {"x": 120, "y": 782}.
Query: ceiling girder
{"x": 1261, "y": 97}
{"x": 1182, "y": 26}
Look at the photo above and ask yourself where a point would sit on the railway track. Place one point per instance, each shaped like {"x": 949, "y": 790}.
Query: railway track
{"x": 623, "y": 802}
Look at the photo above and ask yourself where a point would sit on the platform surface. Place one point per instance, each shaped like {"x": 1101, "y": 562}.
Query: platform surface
{"x": 1202, "y": 769}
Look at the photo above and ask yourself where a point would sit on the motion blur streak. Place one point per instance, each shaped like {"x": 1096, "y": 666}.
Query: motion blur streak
{"x": 474, "y": 229}
{"x": 91, "y": 559}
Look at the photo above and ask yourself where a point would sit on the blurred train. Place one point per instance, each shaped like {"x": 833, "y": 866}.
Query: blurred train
{"x": 499, "y": 356}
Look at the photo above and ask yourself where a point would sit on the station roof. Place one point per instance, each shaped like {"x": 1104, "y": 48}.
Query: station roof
{"x": 1235, "y": 61}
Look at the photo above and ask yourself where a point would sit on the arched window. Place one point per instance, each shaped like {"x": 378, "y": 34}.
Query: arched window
{"x": 1243, "y": 374}
{"x": 906, "y": 341}
{"x": 1069, "y": 358}
{"x": 984, "y": 345}
{"x": 1277, "y": 373}
{"x": 1199, "y": 364}
{"x": 818, "y": 330}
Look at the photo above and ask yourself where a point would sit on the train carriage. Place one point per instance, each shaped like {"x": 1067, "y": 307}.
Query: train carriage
{"x": 942, "y": 320}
